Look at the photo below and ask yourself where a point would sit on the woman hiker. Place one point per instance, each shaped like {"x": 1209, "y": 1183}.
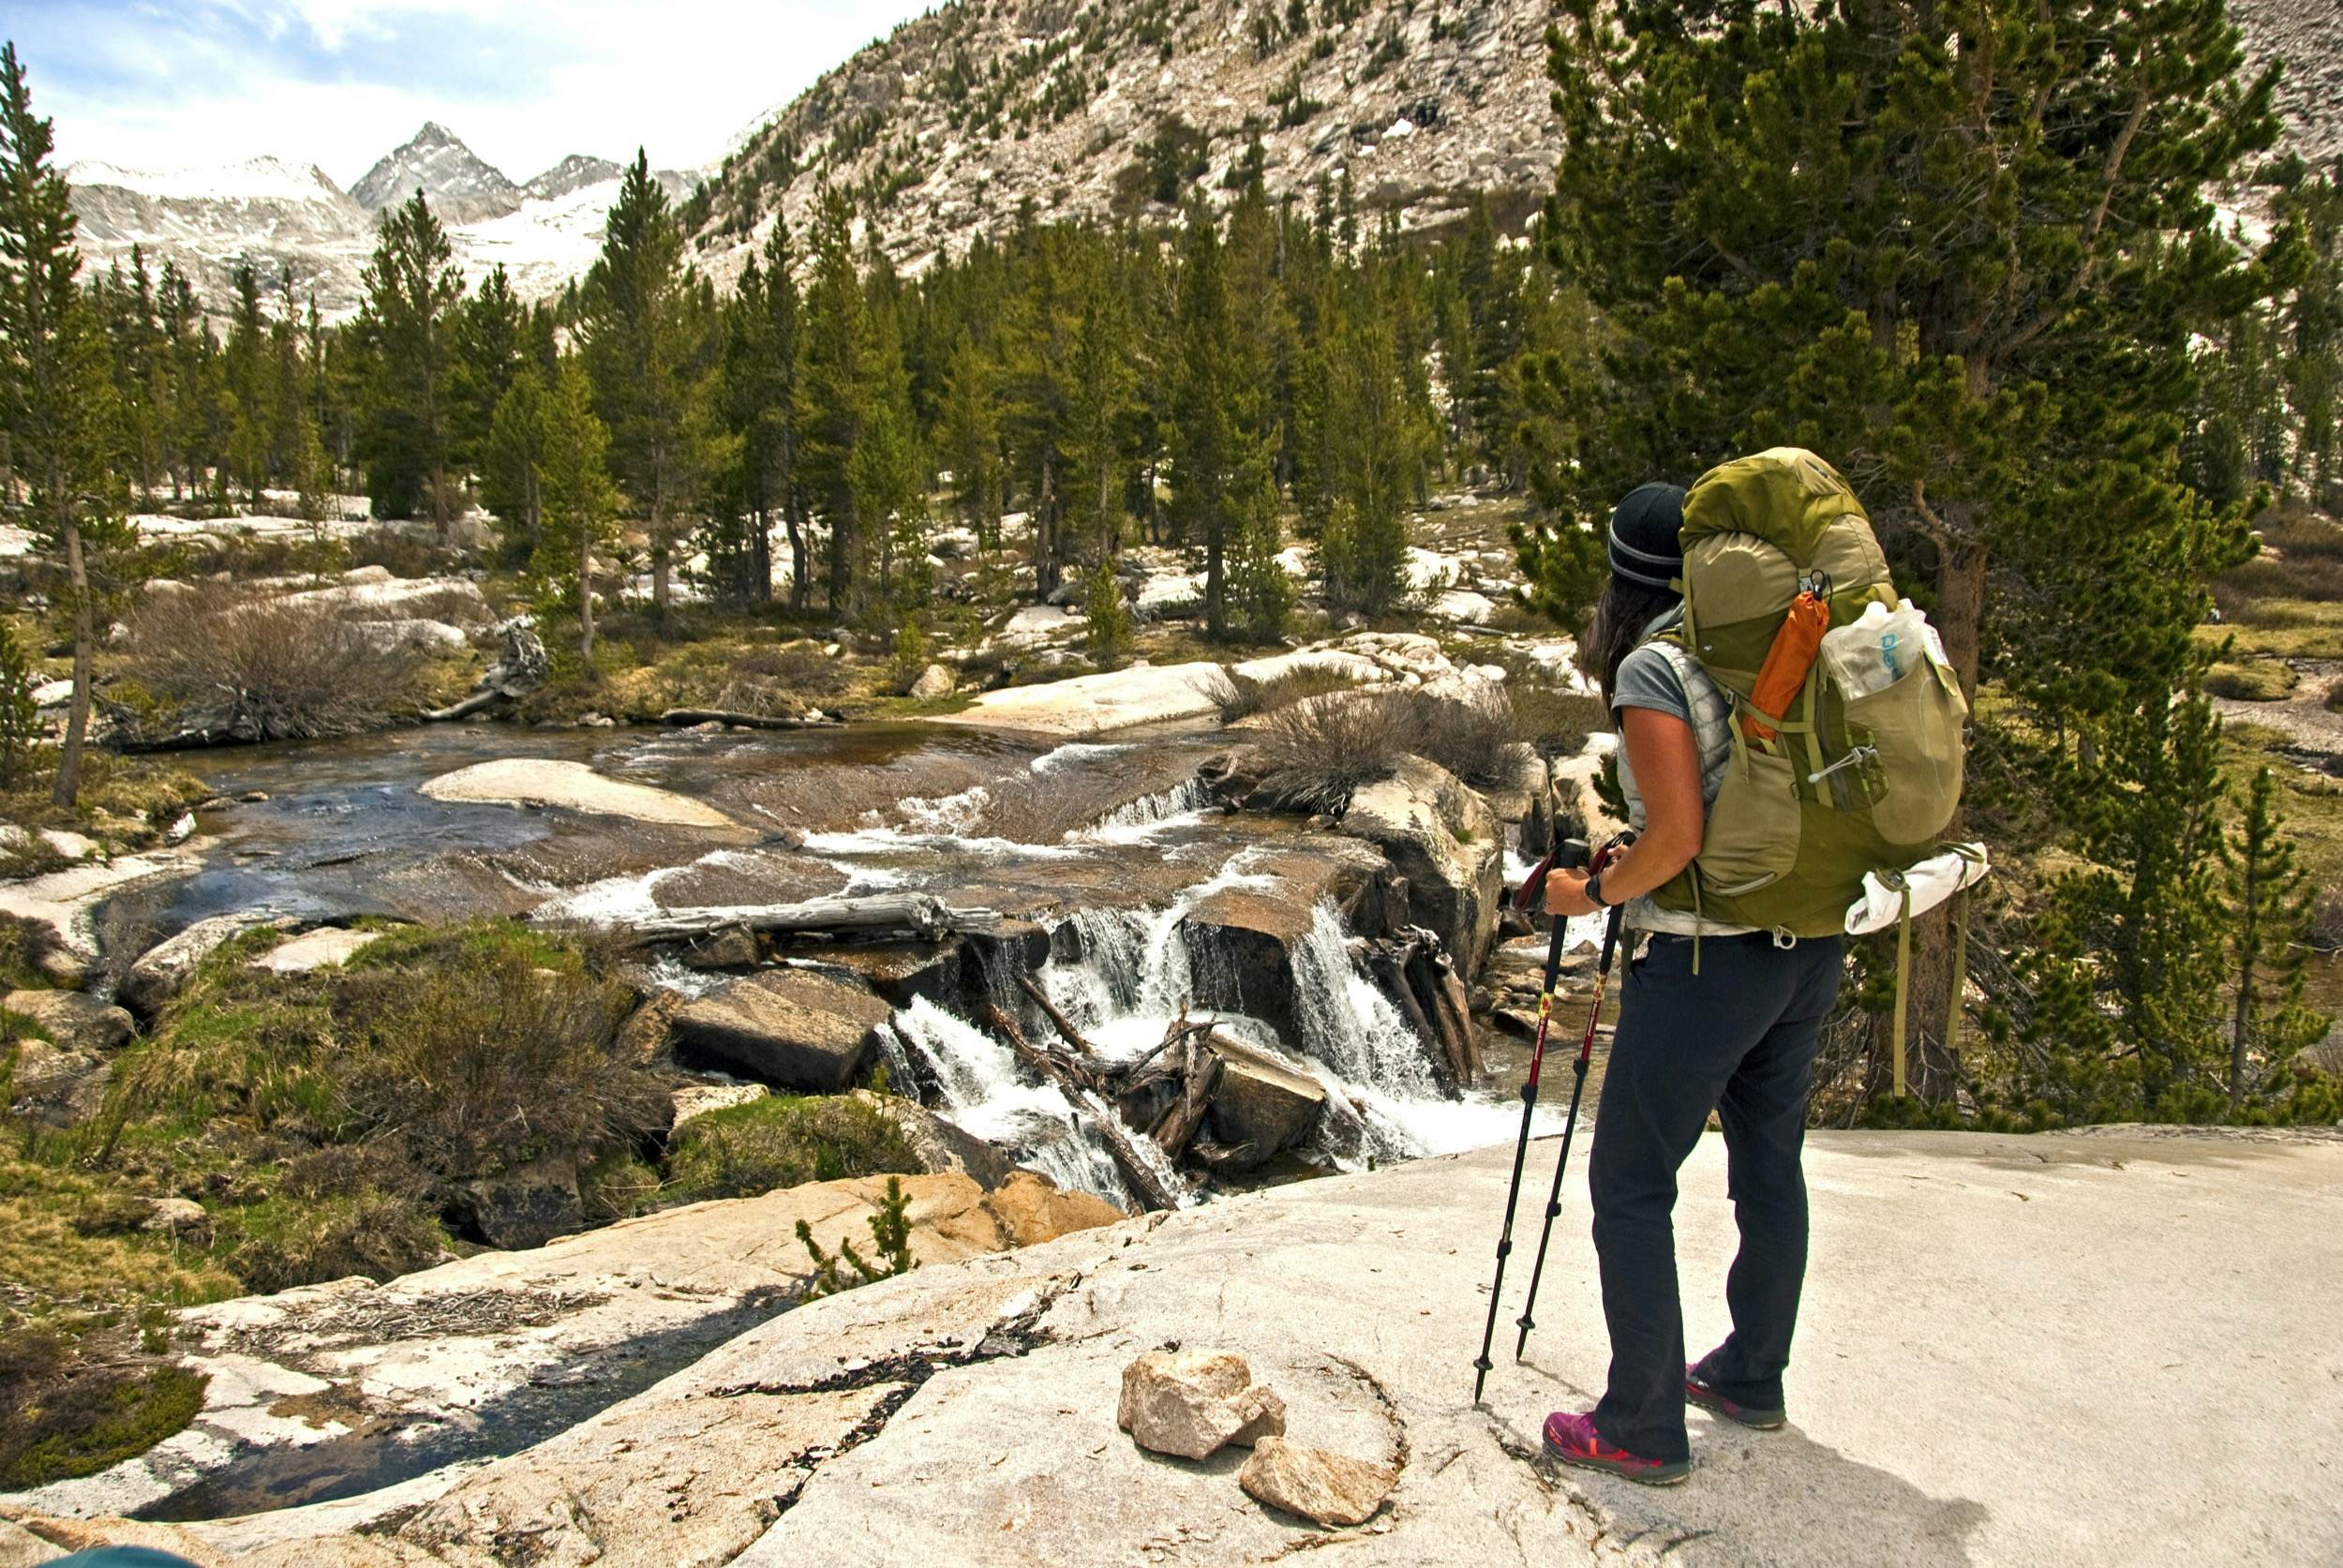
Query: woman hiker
{"x": 1736, "y": 1036}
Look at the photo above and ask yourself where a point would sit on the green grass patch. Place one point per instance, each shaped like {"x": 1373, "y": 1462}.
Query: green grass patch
{"x": 782, "y": 1140}
{"x": 63, "y": 1416}
{"x": 2259, "y": 680}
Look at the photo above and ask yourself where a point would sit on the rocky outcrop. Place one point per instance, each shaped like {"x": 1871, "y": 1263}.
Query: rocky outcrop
{"x": 54, "y": 1086}
{"x": 943, "y": 1148}
{"x": 329, "y": 946}
{"x": 1247, "y": 936}
{"x": 527, "y": 1206}
{"x": 574, "y": 786}
{"x": 792, "y": 1028}
{"x": 72, "y": 1020}
{"x": 162, "y": 969}
{"x": 1259, "y": 1107}
{"x": 439, "y": 1366}
{"x": 968, "y": 1413}
{"x": 1446, "y": 842}
{"x": 1097, "y": 704}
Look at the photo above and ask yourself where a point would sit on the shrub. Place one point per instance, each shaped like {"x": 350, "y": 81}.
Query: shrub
{"x": 800, "y": 666}
{"x": 1557, "y": 722}
{"x": 1473, "y": 737}
{"x": 779, "y": 1142}
{"x": 1238, "y": 696}
{"x": 256, "y": 669}
{"x": 2334, "y": 700}
{"x": 911, "y": 656}
{"x": 478, "y": 1066}
{"x": 1320, "y": 752}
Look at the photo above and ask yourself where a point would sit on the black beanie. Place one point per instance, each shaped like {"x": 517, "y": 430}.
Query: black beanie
{"x": 1644, "y": 529}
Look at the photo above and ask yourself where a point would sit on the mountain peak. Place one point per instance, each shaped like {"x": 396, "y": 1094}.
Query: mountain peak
{"x": 459, "y": 185}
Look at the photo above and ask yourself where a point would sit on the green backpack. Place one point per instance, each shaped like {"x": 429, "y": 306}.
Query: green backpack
{"x": 1847, "y": 783}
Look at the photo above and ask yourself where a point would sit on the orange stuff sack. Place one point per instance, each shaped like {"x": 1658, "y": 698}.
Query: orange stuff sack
{"x": 1787, "y": 662}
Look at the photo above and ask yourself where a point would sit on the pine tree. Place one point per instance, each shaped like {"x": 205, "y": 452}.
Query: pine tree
{"x": 1962, "y": 252}
{"x": 1205, "y": 437}
{"x": 579, "y": 501}
{"x": 2313, "y": 328}
{"x": 1107, "y": 619}
{"x": 407, "y": 325}
{"x": 1042, "y": 391}
{"x": 968, "y": 439}
{"x": 760, "y": 372}
{"x": 830, "y": 411}
{"x": 513, "y": 480}
{"x": 644, "y": 331}
{"x": 884, "y": 474}
{"x": 20, "y": 719}
{"x": 487, "y": 340}
{"x": 2268, "y": 898}
{"x": 251, "y": 388}
{"x": 53, "y": 375}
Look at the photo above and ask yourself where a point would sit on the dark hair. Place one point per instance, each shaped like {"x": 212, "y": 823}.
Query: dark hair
{"x": 1619, "y": 618}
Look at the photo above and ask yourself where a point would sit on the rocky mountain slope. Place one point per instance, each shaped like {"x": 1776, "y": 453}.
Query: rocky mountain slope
{"x": 956, "y": 122}
{"x": 280, "y": 216}
{"x": 960, "y": 118}
{"x": 2307, "y": 35}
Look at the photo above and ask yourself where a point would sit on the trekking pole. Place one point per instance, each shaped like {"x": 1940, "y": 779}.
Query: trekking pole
{"x": 1570, "y": 853}
{"x": 1577, "y": 1090}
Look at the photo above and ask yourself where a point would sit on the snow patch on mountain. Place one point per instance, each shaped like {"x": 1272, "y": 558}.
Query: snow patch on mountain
{"x": 260, "y": 179}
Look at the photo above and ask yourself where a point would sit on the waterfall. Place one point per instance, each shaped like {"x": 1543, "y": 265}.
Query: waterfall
{"x": 1137, "y": 821}
{"x": 1348, "y": 1023}
{"x": 976, "y": 1079}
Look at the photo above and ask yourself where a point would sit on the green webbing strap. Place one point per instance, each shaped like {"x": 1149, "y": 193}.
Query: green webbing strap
{"x": 1960, "y": 970}
{"x": 1903, "y": 968}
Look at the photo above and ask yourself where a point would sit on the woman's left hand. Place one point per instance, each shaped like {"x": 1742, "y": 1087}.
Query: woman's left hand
{"x": 1566, "y": 893}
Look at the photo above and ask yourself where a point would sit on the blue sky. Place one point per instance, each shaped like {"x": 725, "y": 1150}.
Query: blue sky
{"x": 159, "y": 84}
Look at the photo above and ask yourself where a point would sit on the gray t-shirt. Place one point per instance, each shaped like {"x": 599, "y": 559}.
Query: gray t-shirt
{"x": 1646, "y": 680}
{"x": 1649, "y": 678}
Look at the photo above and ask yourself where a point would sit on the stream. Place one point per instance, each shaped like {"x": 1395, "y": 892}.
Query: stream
{"x": 1107, "y": 846}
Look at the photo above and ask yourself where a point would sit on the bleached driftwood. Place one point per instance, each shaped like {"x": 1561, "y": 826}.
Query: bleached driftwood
{"x": 913, "y": 914}
{"x": 681, "y": 716}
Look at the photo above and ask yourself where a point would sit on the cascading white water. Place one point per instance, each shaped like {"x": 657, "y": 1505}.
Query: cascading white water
{"x": 978, "y": 1081}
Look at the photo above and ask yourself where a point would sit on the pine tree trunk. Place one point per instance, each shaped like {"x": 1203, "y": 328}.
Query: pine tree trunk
{"x": 800, "y": 588}
{"x": 68, "y": 785}
{"x": 1960, "y": 607}
{"x": 2247, "y": 943}
{"x": 764, "y": 594}
{"x": 1046, "y": 576}
{"x": 586, "y": 598}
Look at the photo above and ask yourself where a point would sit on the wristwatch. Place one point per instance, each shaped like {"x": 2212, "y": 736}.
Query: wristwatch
{"x": 1594, "y": 890}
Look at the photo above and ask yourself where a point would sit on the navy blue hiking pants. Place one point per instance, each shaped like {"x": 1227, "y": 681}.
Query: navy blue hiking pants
{"x": 1738, "y": 1038}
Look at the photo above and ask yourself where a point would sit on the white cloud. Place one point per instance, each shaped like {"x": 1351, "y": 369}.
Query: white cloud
{"x": 339, "y": 83}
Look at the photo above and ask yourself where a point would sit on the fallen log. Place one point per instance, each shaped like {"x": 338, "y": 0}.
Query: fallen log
{"x": 1178, "y": 1128}
{"x": 519, "y": 671}
{"x": 477, "y": 702}
{"x": 1136, "y": 1172}
{"x": 681, "y": 716}
{"x": 912, "y": 913}
{"x": 1058, "y": 1021}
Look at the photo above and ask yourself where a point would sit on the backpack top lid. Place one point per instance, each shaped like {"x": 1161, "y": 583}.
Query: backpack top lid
{"x": 1784, "y": 495}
